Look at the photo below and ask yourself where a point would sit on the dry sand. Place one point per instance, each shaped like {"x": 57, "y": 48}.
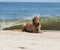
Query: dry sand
{"x": 12, "y": 40}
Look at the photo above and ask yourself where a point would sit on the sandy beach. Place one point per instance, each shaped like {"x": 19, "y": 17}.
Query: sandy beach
{"x": 14, "y": 40}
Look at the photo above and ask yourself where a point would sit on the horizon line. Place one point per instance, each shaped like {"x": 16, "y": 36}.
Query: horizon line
{"x": 31, "y": 2}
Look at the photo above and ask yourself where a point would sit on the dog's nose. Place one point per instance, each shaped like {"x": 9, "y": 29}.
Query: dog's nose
{"x": 38, "y": 23}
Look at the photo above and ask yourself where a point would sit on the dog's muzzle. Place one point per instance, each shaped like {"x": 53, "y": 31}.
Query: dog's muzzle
{"x": 37, "y": 24}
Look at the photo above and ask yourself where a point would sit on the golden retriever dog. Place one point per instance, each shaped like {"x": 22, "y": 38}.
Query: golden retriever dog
{"x": 34, "y": 26}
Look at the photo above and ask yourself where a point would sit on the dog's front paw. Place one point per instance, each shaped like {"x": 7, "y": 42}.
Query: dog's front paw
{"x": 40, "y": 31}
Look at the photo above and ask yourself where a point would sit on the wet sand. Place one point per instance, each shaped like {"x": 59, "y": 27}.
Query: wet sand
{"x": 15, "y": 40}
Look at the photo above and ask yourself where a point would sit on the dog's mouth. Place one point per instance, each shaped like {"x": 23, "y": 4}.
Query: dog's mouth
{"x": 37, "y": 24}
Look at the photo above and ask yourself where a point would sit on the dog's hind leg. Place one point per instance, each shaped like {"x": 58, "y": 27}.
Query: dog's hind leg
{"x": 24, "y": 27}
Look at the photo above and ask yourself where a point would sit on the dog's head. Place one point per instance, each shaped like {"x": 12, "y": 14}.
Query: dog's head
{"x": 36, "y": 21}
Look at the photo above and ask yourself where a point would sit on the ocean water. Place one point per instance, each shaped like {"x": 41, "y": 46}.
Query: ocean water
{"x": 23, "y": 10}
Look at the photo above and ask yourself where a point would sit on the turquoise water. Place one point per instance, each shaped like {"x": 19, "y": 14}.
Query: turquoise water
{"x": 22, "y": 10}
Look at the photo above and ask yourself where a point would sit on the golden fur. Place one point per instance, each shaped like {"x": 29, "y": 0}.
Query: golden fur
{"x": 34, "y": 26}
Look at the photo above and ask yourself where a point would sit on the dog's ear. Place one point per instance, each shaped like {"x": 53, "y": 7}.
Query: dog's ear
{"x": 33, "y": 19}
